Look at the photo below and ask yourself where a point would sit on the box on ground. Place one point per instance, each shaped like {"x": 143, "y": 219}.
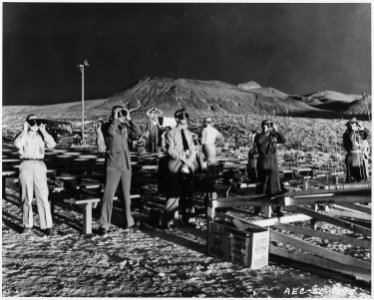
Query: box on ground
{"x": 249, "y": 248}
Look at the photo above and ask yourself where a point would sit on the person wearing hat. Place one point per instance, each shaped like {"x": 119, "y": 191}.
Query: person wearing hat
{"x": 118, "y": 165}
{"x": 265, "y": 144}
{"x": 182, "y": 164}
{"x": 153, "y": 129}
{"x": 31, "y": 143}
{"x": 353, "y": 144}
{"x": 210, "y": 139}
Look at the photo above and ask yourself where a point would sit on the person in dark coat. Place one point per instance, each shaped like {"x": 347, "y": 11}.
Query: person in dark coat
{"x": 265, "y": 144}
{"x": 353, "y": 144}
{"x": 118, "y": 164}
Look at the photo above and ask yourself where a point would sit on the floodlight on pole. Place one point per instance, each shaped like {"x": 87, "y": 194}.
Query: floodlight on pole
{"x": 82, "y": 66}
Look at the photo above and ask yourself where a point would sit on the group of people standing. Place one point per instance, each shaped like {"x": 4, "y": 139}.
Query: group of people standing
{"x": 184, "y": 155}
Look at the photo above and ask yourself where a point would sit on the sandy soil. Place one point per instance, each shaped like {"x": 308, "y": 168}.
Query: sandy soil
{"x": 147, "y": 262}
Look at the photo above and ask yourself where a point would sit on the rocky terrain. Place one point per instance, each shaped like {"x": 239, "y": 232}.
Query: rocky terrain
{"x": 147, "y": 262}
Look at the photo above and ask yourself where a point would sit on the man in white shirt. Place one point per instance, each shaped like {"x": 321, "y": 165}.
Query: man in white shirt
{"x": 182, "y": 164}
{"x": 31, "y": 143}
{"x": 210, "y": 139}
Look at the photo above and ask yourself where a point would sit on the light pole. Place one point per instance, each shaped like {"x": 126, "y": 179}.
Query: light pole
{"x": 81, "y": 67}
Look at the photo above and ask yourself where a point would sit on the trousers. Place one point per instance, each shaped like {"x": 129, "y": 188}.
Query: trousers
{"x": 33, "y": 175}
{"x": 210, "y": 152}
{"x": 180, "y": 197}
{"x": 113, "y": 178}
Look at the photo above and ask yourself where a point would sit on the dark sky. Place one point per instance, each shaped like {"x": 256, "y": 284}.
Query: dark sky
{"x": 296, "y": 48}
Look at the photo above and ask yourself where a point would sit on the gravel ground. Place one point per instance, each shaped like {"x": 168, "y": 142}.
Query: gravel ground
{"x": 147, "y": 262}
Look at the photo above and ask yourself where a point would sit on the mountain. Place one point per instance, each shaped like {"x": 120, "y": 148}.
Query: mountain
{"x": 336, "y": 102}
{"x": 199, "y": 96}
{"x": 359, "y": 107}
{"x": 269, "y": 92}
{"x": 332, "y": 96}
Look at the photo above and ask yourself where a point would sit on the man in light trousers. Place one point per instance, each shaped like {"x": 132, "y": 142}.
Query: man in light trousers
{"x": 31, "y": 143}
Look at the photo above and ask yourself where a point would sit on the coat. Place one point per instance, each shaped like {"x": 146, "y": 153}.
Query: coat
{"x": 116, "y": 137}
{"x": 175, "y": 152}
{"x": 267, "y": 162}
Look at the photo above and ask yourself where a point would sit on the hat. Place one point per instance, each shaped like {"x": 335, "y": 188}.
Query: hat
{"x": 31, "y": 116}
{"x": 266, "y": 122}
{"x": 351, "y": 121}
{"x": 180, "y": 112}
{"x": 207, "y": 120}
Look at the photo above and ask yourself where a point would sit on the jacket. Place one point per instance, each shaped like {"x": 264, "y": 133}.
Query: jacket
{"x": 174, "y": 148}
{"x": 118, "y": 156}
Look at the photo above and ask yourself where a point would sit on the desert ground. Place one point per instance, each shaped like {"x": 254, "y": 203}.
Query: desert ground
{"x": 150, "y": 262}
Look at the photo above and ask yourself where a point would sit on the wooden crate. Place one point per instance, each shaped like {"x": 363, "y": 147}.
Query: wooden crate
{"x": 249, "y": 248}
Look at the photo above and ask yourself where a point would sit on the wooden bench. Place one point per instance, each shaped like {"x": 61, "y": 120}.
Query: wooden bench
{"x": 5, "y": 175}
{"x": 87, "y": 205}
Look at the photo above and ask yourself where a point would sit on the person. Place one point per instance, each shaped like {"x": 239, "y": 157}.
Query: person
{"x": 181, "y": 167}
{"x": 267, "y": 162}
{"x": 365, "y": 149}
{"x": 163, "y": 164}
{"x": 210, "y": 139}
{"x": 100, "y": 141}
{"x": 252, "y": 159}
{"x": 31, "y": 143}
{"x": 352, "y": 143}
{"x": 153, "y": 129}
{"x": 118, "y": 165}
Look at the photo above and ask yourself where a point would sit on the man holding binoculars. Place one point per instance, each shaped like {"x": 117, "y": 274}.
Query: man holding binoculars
{"x": 265, "y": 144}
{"x": 31, "y": 143}
{"x": 118, "y": 164}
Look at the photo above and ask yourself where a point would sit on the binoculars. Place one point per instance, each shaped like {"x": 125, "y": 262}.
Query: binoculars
{"x": 182, "y": 115}
{"x": 122, "y": 113}
{"x": 33, "y": 122}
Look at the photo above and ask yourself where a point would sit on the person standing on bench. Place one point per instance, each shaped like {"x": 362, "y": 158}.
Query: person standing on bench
{"x": 182, "y": 164}
{"x": 118, "y": 165}
{"x": 31, "y": 143}
{"x": 267, "y": 162}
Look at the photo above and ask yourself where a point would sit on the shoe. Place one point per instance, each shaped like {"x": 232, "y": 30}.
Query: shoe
{"x": 190, "y": 222}
{"x": 132, "y": 228}
{"x": 103, "y": 231}
{"x": 50, "y": 231}
{"x": 131, "y": 225}
{"x": 27, "y": 230}
{"x": 168, "y": 225}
